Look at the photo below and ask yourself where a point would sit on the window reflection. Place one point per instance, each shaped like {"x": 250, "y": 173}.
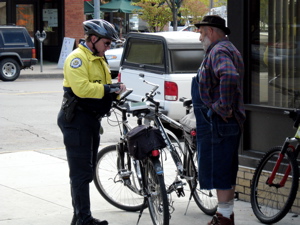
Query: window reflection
{"x": 2, "y": 13}
{"x": 275, "y": 50}
{"x": 25, "y": 17}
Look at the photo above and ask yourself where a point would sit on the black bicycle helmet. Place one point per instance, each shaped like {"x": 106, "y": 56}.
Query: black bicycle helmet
{"x": 100, "y": 28}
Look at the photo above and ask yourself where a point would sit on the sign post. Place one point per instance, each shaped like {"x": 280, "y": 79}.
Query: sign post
{"x": 41, "y": 37}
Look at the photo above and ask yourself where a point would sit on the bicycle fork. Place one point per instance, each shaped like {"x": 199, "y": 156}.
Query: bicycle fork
{"x": 283, "y": 151}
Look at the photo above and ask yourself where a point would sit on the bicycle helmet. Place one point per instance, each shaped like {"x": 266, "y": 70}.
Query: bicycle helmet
{"x": 100, "y": 28}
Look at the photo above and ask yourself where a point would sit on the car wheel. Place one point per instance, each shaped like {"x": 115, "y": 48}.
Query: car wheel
{"x": 9, "y": 69}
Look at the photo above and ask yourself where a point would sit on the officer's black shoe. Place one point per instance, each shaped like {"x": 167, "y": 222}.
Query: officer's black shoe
{"x": 93, "y": 221}
{"x": 74, "y": 219}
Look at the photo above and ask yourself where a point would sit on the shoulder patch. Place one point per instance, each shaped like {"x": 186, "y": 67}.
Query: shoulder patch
{"x": 75, "y": 63}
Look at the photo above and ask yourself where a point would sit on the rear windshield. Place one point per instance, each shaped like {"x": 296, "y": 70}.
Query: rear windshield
{"x": 146, "y": 53}
{"x": 13, "y": 37}
{"x": 150, "y": 56}
{"x": 185, "y": 61}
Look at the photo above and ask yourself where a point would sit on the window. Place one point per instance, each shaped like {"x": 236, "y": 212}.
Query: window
{"x": 14, "y": 37}
{"x": 153, "y": 53}
{"x": 275, "y": 54}
{"x": 2, "y": 13}
{"x": 25, "y": 17}
{"x": 185, "y": 61}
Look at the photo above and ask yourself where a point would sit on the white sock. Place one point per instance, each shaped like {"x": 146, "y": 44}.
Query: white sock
{"x": 225, "y": 208}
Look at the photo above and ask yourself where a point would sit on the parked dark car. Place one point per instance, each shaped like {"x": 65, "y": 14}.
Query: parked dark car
{"x": 17, "y": 52}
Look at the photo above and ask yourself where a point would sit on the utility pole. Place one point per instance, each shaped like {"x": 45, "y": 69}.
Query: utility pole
{"x": 211, "y": 5}
{"x": 96, "y": 9}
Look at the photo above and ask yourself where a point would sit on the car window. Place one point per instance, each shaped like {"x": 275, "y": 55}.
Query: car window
{"x": 184, "y": 61}
{"x": 146, "y": 53}
{"x": 13, "y": 37}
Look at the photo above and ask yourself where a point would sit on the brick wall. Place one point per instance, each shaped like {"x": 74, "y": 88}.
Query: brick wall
{"x": 244, "y": 178}
{"x": 74, "y": 16}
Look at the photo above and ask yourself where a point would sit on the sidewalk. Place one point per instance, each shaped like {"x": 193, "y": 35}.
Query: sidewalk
{"x": 34, "y": 190}
{"x": 48, "y": 70}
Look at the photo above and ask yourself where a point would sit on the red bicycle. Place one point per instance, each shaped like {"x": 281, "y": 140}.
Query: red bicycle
{"x": 275, "y": 181}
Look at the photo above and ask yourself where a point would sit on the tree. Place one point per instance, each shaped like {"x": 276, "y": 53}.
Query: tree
{"x": 193, "y": 10}
{"x": 155, "y": 13}
{"x": 174, "y": 6}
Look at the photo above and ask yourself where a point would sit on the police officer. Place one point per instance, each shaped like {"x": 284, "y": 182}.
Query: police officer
{"x": 88, "y": 94}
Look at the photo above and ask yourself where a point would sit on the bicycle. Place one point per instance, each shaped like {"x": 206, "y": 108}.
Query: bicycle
{"x": 128, "y": 183}
{"x": 275, "y": 181}
{"x": 184, "y": 159}
{"x": 185, "y": 168}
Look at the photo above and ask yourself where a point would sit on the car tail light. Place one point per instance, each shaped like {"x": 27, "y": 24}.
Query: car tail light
{"x": 119, "y": 77}
{"x": 33, "y": 53}
{"x": 171, "y": 91}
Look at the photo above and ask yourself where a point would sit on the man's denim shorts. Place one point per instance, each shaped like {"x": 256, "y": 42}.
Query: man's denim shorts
{"x": 217, "y": 146}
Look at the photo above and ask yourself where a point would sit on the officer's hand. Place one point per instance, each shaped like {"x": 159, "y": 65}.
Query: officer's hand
{"x": 122, "y": 89}
{"x": 117, "y": 88}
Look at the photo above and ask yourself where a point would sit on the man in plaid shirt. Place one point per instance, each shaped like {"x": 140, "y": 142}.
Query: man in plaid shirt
{"x": 217, "y": 93}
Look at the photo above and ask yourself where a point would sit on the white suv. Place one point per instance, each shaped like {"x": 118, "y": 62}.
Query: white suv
{"x": 169, "y": 59}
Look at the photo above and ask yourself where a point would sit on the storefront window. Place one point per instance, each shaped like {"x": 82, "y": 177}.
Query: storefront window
{"x": 25, "y": 17}
{"x": 275, "y": 54}
{"x": 2, "y": 13}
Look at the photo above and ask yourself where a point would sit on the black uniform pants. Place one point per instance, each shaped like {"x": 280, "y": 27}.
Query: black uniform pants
{"x": 81, "y": 138}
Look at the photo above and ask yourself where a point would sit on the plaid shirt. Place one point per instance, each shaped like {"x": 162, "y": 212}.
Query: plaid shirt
{"x": 220, "y": 78}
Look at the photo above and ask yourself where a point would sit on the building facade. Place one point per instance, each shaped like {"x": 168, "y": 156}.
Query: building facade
{"x": 267, "y": 32}
{"x": 58, "y": 18}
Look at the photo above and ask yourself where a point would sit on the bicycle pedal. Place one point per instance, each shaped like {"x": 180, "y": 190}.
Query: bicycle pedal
{"x": 177, "y": 186}
{"x": 180, "y": 192}
{"x": 125, "y": 174}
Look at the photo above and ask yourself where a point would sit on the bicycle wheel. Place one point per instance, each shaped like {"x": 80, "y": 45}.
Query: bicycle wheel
{"x": 270, "y": 203}
{"x": 170, "y": 168}
{"x": 158, "y": 204}
{"x": 112, "y": 187}
{"x": 206, "y": 200}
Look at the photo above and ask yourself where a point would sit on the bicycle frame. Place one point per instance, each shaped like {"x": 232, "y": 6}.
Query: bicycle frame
{"x": 287, "y": 145}
{"x": 157, "y": 120}
{"x": 284, "y": 148}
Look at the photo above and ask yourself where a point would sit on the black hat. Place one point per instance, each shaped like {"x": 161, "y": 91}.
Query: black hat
{"x": 214, "y": 21}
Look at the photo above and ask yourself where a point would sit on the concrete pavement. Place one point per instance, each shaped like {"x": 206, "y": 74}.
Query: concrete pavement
{"x": 48, "y": 70}
{"x": 34, "y": 189}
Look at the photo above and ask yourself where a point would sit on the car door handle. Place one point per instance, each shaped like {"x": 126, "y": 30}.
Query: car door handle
{"x": 142, "y": 75}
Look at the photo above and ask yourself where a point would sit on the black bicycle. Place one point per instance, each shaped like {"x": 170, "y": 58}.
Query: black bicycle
{"x": 128, "y": 183}
{"x": 184, "y": 158}
{"x": 275, "y": 181}
{"x": 182, "y": 166}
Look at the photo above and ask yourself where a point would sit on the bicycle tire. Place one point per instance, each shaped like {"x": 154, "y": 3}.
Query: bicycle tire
{"x": 206, "y": 200}
{"x": 271, "y": 204}
{"x": 170, "y": 168}
{"x": 157, "y": 199}
{"x": 125, "y": 197}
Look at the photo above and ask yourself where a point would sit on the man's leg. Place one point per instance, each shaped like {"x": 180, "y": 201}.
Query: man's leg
{"x": 225, "y": 202}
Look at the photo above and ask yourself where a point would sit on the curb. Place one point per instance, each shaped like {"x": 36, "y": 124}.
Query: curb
{"x": 40, "y": 76}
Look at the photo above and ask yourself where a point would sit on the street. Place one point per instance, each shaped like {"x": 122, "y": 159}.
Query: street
{"x": 28, "y": 116}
